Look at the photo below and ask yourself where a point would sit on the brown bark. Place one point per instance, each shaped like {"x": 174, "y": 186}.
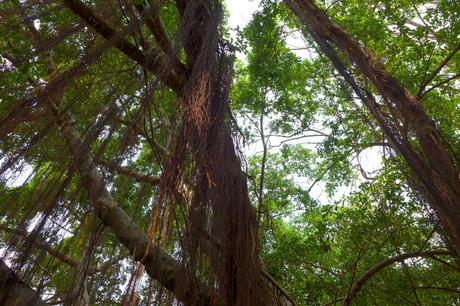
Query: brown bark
{"x": 153, "y": 62}
{"x": 158, "y": 264}
{"x": 142, "y": 178}
{"x": 354, "y": 290}
{"x": 156, "y": 27}
{"x": 229, "y": 179}
{"x": 434, "y": 166}
{"x": 14, "y": 292}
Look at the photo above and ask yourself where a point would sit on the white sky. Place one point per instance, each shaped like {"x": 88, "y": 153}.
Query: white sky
{"x": 241, "y": 12}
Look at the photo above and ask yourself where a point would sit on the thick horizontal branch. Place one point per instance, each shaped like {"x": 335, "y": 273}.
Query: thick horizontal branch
{"x": 141, "y": 178}
{"x": 383, "y": 264}
{"x": 13, "y": 291}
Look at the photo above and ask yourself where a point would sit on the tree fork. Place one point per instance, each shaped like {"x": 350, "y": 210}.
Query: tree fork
{"x": 154, "y": 62}
{"x": 159, "y": 265}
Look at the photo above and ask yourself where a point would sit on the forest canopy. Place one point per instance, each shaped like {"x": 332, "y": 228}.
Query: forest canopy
{"x": 151, "y": 153}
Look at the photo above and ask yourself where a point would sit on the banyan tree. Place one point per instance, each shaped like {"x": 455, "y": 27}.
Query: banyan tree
{"x": 124, "y": 179}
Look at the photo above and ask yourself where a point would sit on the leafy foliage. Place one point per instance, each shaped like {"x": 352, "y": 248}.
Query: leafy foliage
{"x": 324, "y": 217}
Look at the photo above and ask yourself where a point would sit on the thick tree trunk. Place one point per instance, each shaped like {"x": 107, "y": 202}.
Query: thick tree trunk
{"x": 435, "y": 167}
{"x": 14, "y": 292}
{"x": 228, "y": 194}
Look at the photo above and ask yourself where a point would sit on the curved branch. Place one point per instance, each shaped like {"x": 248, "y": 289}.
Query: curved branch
{"x": 383, "y": 264}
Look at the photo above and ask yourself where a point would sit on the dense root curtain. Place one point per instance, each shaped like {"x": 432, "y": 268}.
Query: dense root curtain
{"x": 216, "y": 261}
{"x": 220, "y": 217}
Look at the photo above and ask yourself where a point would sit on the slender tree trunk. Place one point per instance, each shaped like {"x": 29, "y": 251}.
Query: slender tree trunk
{"x": 434, "y": 166}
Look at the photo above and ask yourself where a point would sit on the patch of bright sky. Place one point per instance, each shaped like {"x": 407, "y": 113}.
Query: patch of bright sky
{"x": 241, "y": 12}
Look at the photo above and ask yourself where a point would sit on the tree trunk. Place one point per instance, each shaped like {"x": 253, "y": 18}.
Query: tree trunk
{"x": 435, "y": 167}
{"x": 227, "y": 191}
{"x": 14, "y": 292}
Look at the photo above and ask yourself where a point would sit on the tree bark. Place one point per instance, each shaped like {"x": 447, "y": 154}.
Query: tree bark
{"x": 158, "y": 264}
{"x": 14, "y": 292}
{"x": 435, "y": 166}
{"x": 354, "y": 290}
{"x": 154, "y": 62}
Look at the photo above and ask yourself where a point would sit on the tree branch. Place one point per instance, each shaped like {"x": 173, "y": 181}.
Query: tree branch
{"x": 357, "y": 286}
{"x": 43, "y": 246}
{"x": 158, "y": 264}
{"x": 154, "y": 62}
{"x": 141, "y": 178}
{"x": 98, "y": 268}
{"x": 455, "y": 76}
{"x": 437, "y": 169}
{"x": 157, "y": 28}
{"x": 436, "y": 71}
